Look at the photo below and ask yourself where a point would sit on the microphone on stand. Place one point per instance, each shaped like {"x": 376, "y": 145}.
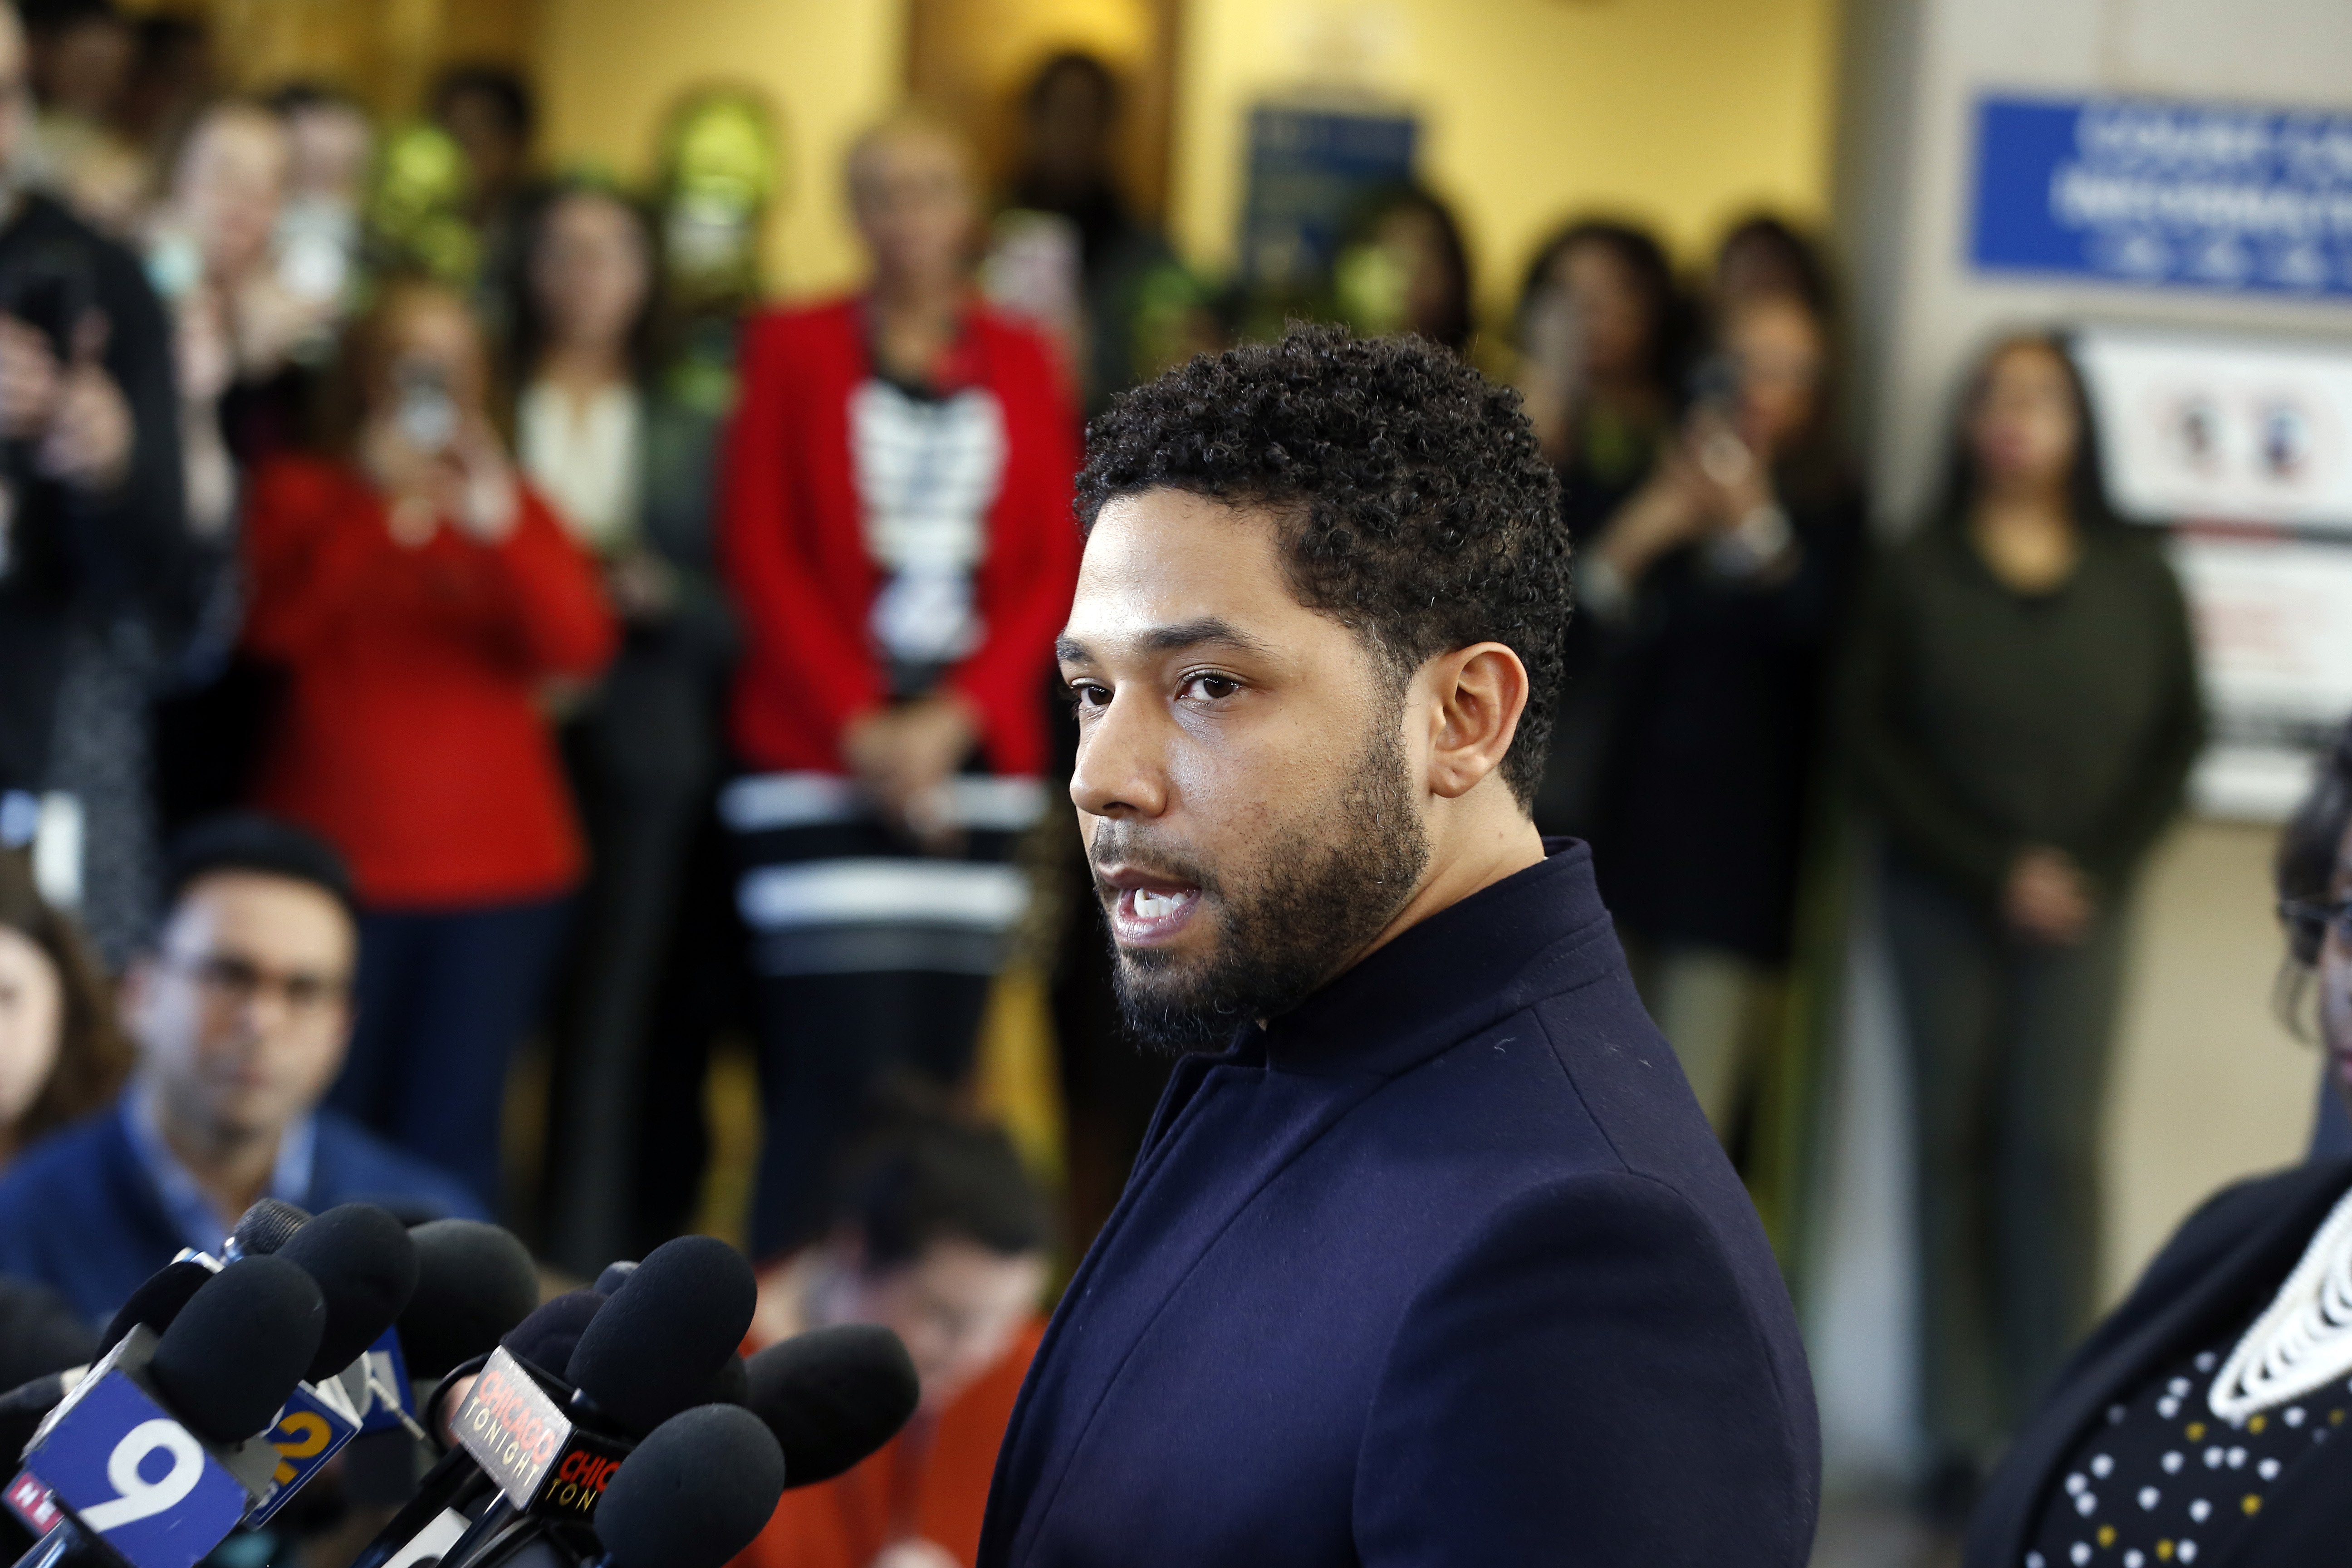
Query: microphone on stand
{"x": 201, "y": 1395}
{"x": 695, "y": 1493}
{"x": 833, "y": 1396}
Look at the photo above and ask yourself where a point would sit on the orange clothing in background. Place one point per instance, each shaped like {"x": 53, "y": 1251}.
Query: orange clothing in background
{"x": 930, "y": 1482}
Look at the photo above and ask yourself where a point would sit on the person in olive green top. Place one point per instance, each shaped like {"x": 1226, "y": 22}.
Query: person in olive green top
{"x": 2022, "y": 711}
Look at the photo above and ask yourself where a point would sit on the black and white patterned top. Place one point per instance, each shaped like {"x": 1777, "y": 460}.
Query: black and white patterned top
{"x": 2163, "y": 1481}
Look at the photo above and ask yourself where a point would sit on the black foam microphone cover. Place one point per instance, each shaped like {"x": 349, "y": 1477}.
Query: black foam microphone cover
{"x": 661, "y": 1338}
{"x": 834, "y": 1395}
{"x": 695, "y": 1493}
{"x": 615, "y": 1276}
{"x": 157, "y": 1300}
{"x": 264, "y": 1228}
{"x": 365, "y": 1266}
{"x": 474, "y": 1283}
{"x": 236, "y": 1350}
{"x": 549, "y": 1336}
{"x": 40, "y": 1332}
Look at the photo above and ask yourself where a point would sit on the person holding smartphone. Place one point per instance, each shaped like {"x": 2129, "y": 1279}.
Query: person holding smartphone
{"x": 423, "y": 602}
{"x": 1718, "y": 592}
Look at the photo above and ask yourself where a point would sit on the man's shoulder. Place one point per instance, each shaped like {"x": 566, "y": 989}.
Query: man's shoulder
{"x": 66, "y": 1162}
{"x": 355, "y": 1165}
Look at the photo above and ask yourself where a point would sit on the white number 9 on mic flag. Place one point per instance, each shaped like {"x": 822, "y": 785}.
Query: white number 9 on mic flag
{"x": 141, "y": 1498}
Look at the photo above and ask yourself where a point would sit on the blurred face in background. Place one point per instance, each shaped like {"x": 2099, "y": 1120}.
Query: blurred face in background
{"x": 426, "y": 333}
{"x": 1610, "y": 311}
{"x": 1070, "y": 123}
{"x": 32, "y": 1024}
{"x": 590, "y": 272}
{"x": 1777, "y": 345}
{"x": 2024, "y": 428}
{"x": 957, "y": 1306}
{"x": 229, "y": 186}
{"x": 910, "y": 193}
{"x": 242, "y": 1012}
{"x": 329, "y": 146}
{"x": 82, "y": 66}
{"x": 495, "y": 151}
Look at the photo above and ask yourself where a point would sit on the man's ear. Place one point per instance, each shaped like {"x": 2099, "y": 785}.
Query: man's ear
{"x": 1476, "y": 695}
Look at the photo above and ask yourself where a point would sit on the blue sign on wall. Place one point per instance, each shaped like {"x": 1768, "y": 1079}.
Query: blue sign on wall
{"x": 2181, "y": 196}
{"x": 1308, "y": 168}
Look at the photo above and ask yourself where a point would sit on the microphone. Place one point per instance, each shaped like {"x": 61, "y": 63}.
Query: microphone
{"x": 661, "y": 1340}
{"x": 614, "y": 1273}
{"x": 654, "y": 1349}
{"x": 833, "y": 1396}
{"x": 474, "y": 1283}
{"x": 695, "y": 1493}
{"x": 547, "y": 1339}
{"x": 196, "y": 1395}
{"x": 157, "y": 1301}
{"x": 365, "y": 1268}
{"x": 264, "y": 1228}
{"x": 234, "y": 1353}
{"x": 550, "y": 1443}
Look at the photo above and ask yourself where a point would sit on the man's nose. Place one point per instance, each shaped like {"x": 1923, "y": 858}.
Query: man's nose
{"x": 1122, "y": 768}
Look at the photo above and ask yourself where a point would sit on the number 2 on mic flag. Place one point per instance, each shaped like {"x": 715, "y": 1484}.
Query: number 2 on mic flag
{"x": 307, "y": 1433}
{"x": 137, "y": 1478}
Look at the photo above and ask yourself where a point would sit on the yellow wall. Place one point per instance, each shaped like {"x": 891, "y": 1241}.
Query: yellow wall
{"x": 609, "y": 69}
{"x": 1683, "y": 112}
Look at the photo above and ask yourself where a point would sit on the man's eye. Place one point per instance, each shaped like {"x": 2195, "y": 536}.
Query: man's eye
{"x": 1210, "y": 687}
{"x": 1085, "y": 696}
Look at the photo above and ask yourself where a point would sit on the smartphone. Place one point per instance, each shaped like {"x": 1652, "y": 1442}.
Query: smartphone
{"x": 425, "y": 410}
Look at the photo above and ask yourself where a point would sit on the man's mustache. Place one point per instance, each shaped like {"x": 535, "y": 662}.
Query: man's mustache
{"x": 1117, "y": 845}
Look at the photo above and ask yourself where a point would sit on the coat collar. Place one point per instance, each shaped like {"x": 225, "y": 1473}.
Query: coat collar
{"x": 1536, "y": 933}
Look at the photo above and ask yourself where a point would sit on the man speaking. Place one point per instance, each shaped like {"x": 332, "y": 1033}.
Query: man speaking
{"x": 1429, "y": 1257}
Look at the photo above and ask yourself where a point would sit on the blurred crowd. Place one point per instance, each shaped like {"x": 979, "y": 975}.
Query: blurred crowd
{"x": 442, "y": 607}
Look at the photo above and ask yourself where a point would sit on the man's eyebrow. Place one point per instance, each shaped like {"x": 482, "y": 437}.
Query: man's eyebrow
{"x": 1207, "y": 631}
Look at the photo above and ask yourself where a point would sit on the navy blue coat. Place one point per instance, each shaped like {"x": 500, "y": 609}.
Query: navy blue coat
{"x": 1444, "y": 1268}
{"x": 79, "y": 1214}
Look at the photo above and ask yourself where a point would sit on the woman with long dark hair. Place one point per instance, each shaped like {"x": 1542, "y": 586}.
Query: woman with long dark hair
{"x": 626, "y": 468}
{"x": 1404, "y": 268}
{"x": 61, "y": 1056}
{"x": 1602, "y": 332}
{"x": 2022, "y": 711}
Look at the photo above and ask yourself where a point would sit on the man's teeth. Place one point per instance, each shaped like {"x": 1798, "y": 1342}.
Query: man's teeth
{"x": 1151, "y": 906}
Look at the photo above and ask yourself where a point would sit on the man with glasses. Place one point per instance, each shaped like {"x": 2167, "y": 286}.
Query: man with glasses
{"x": 240, "y": 1011}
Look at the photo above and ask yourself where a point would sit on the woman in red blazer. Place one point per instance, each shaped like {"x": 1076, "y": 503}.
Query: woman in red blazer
{"x": 897, "y": 531}
{"x": 425, "y": 607}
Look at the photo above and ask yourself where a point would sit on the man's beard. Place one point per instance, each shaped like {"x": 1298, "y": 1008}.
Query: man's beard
{"x": 1323, "y": 892}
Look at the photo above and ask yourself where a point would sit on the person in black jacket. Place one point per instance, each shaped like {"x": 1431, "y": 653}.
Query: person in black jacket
{"x": 98, "y": 582}
{"x": 627, "y": 465}
{"x": 2208, "y": 1419}
{"x": 1716, "y": 593}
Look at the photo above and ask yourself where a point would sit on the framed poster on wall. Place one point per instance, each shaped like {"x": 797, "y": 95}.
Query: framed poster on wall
{"x": 2241, "y": 448}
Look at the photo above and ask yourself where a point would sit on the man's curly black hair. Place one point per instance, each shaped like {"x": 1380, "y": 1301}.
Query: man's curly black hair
{"x": 1414, "y": 505}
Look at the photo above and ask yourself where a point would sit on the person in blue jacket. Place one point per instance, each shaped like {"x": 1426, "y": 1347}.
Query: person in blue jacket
{"x": 1430, "y": 1257}
{"x": 239, "y": 1013}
